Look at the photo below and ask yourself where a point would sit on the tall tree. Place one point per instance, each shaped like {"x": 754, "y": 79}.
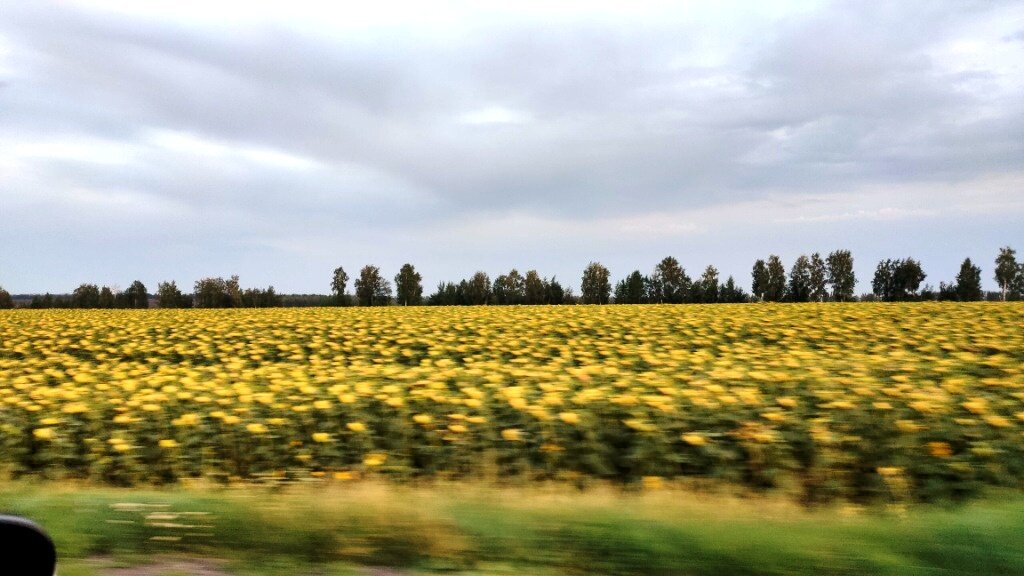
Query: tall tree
{"x": 908, "y": 276}
{"x": 596, "y": 287}
{"x": 372, "y": 289}
{"x": 234, "y": 291}
{"x": 478, "y": 289}
{"x": 898, "y": 280}
{"x": 339, "y": 283}
{"x": 256, "y": 298}
{"x": 840, "y": 275}
{"x": 669, "y": 283}
{"x": 509, "y": 288}
{"x": 1007, "y": 271}
{"x": 533, "y": 288}
{"x": 731, "y": 293}
{"x": 759, "y": 279}
{"x": 107, "y": 299}
{"x": 6, "y": 302}
{"x": 883, "y": 283}
{"x": 136, "y": 296}
{"x": 212, "y": 293}
{"x": 168, "y": 295}
{"x": 86, "y": 296}
{"x": 569, "y": 297}
{"x": 516, "y": 286}
{"x": 799, "y": 289}
{"x": 968, "y": 282}
{"x": 819, "y": 277}
{"x": 632, "y": 289}
{"x": 946, "y": 293}
{"x": 499, "y": 290}
{"x": 409, "y": 286}
{"x": 775, "y": 288}
{"x": 446, "y": 295}
{"x": 706, "y": 288}
{"x": 554, "y": 293}
{"x": 49, "y": 301}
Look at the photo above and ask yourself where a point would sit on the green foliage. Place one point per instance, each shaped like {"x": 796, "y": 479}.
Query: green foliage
{"x": 632, "y": 289}
{"x": 220, "y": 293}
{"x": 596, "y": 286}
{"x": 799, "y": 289}
{"x": 810, "y": 279}
{"x": 669, "y": 283}
{"x": 705, "y": 290}
{"x": 213, "y": 293}
{"x": 731, "y": 293}
{"x": 478, "y": 289}
{"x": 50, "y": 301}
{"x": 106, "y": 299}
{"x": 533, "y": 288}
{"x": 256, "y": 298}
{"x": 169, "y": 296}
{"x": 339, "y": 282}
{"x": 409, "y": 286}
{"x": 759, "y": 279}
{"x": 509, "y": 288}
{"x": 898, "y": 280}
{"x": 447, "y": 294}
{"x": 840, "y": 274}
{"x": 474, "y": 530}
{"x": 1009, "y": 275}
{"x": 308, "y": 300}
{"x": 372, "y": 289}
{"x": 968, "y": 282}
{"x": 775, "y": 280}
{"x": 135, "y": 296}
{"x": 554, "y": 293}
{"x": 818, "y": 278}
{"x": 86, "y": 296}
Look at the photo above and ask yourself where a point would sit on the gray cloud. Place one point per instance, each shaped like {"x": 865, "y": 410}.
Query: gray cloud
{"x": 485, "y": 140}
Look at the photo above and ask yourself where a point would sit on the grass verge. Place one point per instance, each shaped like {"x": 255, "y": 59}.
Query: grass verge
{"x": 482, "y": 530}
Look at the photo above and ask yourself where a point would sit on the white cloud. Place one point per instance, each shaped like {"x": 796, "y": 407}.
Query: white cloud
{"x": 986, "y": 196}
{"x": 189, "y": 144}
{"x": 70, "y": 148}
{"x": 5, "y": 54}
{"x": 494, "y": 115}
{"x": 124, "y": 203}
{"x": 476, "y": 134}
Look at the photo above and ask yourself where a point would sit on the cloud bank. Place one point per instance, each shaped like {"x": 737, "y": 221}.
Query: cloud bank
{"x": 194, "y": 139}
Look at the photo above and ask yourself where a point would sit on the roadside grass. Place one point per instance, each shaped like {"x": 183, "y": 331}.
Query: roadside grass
{"x": 469, "y": 529}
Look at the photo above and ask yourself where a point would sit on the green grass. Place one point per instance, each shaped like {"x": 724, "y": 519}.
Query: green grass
{"x": 479, "y": 530}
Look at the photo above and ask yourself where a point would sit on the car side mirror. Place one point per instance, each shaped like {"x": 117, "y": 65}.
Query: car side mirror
{"x": 26, "y": 546}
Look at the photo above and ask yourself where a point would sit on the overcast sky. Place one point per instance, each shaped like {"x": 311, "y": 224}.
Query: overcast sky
{"x": 177, "y": 140}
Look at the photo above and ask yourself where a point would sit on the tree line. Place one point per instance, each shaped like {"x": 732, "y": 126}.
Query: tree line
{"x": 810, "y": 279}
{"x": 372, "y": 289}
{"x": 93, "y": 296}
{"x": 206, "y": 293}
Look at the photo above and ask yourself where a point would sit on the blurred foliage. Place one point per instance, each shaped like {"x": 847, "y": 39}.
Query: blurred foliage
{"x": 467, "y": 529}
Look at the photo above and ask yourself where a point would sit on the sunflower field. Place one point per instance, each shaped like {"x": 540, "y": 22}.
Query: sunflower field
{"x": 859, "y": 401}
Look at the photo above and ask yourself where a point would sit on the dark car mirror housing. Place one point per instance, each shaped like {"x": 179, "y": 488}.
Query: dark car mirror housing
{"x": 27, "y": 546}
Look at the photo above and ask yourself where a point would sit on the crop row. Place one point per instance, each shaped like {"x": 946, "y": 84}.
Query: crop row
{"x": 867, "y": 401}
